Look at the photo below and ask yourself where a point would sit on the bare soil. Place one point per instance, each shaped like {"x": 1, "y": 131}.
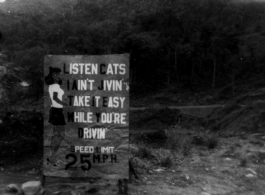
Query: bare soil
{"x": 236, "y": 166}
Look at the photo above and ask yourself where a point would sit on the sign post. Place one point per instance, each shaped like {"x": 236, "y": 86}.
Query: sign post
{"x": 86, "y": 116}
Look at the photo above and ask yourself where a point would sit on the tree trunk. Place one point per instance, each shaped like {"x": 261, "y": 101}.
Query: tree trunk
{"x": 233, "y": 84}
{"x": 176, "y": 62}
{"x": 192, "y": 71}
{"x": 168, "y": 77}
{"x": 214, "y": 72}
{"x": 200, "y": 66}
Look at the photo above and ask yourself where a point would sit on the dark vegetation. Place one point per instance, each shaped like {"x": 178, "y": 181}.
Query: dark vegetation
{"x": 187, "y": 45}
{"x": 21, "y": 138}
{"x": 183, "y": 52}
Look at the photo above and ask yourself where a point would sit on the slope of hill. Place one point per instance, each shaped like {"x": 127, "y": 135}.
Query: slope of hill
{"x": 244, "y": 114}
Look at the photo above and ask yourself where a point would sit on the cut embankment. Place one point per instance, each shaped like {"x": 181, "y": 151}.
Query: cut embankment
{"x": 244, "y": 114}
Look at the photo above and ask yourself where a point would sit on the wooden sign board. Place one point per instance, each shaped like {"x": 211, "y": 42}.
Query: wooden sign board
{"x": 94, "y": 141}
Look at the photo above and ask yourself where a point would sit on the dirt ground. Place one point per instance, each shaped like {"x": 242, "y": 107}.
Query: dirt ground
{"x": 235, "y": 166}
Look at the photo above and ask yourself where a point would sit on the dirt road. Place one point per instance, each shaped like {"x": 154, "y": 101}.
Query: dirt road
{"x": 236, "y": 166}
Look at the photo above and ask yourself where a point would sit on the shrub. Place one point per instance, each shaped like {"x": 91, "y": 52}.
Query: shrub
{"x": 163, "y": 157}
{"x": 212, "y": 142}
{"x": 143, "y": 157}
{"x": 167, "y": 162}
{"x": 174, "y": 138}
{"x": 141, "y": 165}
{"x": 143, "y": 151}
{"x": 178, "y": 140}
{"x": 187, "y": 146}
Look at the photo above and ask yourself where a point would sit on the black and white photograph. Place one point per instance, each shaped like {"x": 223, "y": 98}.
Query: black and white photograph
{"x": 132, "y": 97}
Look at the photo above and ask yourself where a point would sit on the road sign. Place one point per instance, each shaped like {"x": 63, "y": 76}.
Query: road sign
{"x": 86, "y": 116}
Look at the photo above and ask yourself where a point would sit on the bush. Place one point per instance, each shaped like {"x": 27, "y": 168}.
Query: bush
{"x": 167, "y": 162}
{"x": 141, "y": 165}
{"x": 178, "y": 140}
{"x": 187, "y": 146}
{"x": 21, "y": 136}
{"x": 212, "y": 142}
{"x": 143, "y": 151}
{"x": 163, "y": 157}
{"x": 174, "y": 138}
{"x": 143, "y": 156}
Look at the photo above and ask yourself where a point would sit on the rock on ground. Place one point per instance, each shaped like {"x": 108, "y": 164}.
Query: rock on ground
{"x": 32, "y": 188}
{"x": 13, "y": 189}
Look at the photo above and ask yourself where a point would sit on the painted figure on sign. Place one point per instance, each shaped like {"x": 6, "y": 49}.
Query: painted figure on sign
{"x": 56, "y": 116}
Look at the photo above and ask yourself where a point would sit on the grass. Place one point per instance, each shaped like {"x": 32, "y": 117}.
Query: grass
{"x": 180, "y": 141}
{"x": 145, "y": 157}
{"x": 177, "y": 142}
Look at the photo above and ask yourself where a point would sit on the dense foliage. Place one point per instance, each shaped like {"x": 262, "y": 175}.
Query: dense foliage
{"x": 193, "y": 44}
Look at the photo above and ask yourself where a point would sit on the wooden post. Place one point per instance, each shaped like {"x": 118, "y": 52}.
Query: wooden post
{"x": 125, "y": 181}
{"x": 43, "y": 178}
{"x": 120, "y": 185}
{"x": 123, "y": 186}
